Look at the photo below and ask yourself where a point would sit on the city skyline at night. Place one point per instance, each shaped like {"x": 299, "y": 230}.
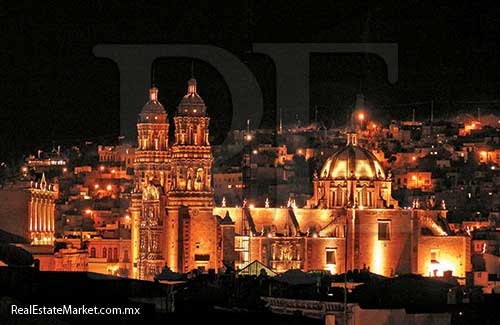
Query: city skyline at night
{"x": 283, "y": 163}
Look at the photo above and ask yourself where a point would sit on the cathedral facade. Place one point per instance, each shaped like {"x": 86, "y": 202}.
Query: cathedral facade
{"x": 350, "y": 222}
{"x": 172, "y": 203}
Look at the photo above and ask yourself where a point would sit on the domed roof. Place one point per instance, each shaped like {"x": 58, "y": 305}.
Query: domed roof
{"x": 153, "y": 106}
{"x": 192, "y": 104}
{"x": 352, "y": 161}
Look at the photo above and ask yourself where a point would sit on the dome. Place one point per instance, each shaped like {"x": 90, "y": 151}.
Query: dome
{"x": 352, "y": 161}
{"x": 153, "y": 106}
{"x": 192, "y": 104}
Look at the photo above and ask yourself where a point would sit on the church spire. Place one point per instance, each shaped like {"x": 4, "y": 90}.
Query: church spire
{"x": 192, "y": 86}
{"x": 153, "y": 94}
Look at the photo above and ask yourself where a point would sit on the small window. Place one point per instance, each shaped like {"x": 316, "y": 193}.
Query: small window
{"x": 104, "y": 251}
{"x": 331, "y": 256}
{"x": 384, "y": 230}
{"x": 202, "y": 257}
{"x": 92, "y": 252}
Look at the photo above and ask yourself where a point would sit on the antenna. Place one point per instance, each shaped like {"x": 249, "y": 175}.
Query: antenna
{"x": 192, "y": 69}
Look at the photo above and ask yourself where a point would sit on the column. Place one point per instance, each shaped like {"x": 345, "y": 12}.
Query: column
{"x": 44, "y": 215}
{"x": 39, "y": 214}
{"x": 30, "y": 215}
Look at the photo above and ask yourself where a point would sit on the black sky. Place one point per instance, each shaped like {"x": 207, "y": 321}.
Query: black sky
{"x": 52, "y": 88}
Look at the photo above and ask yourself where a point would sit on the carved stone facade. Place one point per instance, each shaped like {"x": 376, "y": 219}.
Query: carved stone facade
{"x": 41, "y": 210}
{"x": 350, "y": 222}
{"x": 352, "y": 177}
{"x": 192, "y": 229}
{"x": 147, "y": 206}
{"x": 171, "y": 206}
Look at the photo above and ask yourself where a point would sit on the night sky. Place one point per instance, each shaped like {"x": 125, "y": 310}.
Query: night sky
{"x": 52, "y": 87}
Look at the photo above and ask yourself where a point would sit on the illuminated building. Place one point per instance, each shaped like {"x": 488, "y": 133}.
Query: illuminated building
{"x": 192, "y": 229}
{"x": 117, "y": 154}
{"x": 350, "y": 222}
{"x": 151, "y": 166}
{"x": 415, "y": 180}
{"x": 229, "y": 184}
{"x": 350, "y": 215}
{"x": 47, "y": 161}
{"x": 41, "y": 212}
{"x": 171, "y": 207}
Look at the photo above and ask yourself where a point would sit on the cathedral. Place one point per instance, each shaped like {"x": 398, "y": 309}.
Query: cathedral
{"x": 172, "y": 203}
{"x": 350, "y": 222}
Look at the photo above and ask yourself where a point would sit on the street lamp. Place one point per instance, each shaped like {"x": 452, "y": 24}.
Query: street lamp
{"x": 361, "y": 118}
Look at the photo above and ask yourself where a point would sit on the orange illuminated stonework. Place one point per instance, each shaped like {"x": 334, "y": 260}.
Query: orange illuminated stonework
{"x": 147, "y": 206}
{"x": 350, "y": 215}
{"x": 191, "y": 226}
{"x": 172, "y": 204}
{"x": 350, "y": 222}
{"x": 41, "y": 210}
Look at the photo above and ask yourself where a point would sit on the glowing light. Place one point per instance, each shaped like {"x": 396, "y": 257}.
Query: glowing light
{"x": 361, "y": 116}
{"x": 332, "y": 268}
{"x": 414, "y": 177}
{"x": 251, "y": 206}
{"x": 65, "y": 170}
{"x": 156, "y": 117}
{"x": 413, "y": 158}
{"x": 374, "y": 125}
{"x": 113, "y": 171}
{"x": 378, "y": 257}
{"x": 300, "y": 152}
{"x": 248, "y": 137}
{"x": 88, "y": 211}
{"x": 101, "y": 168}
{"x": 127, "y": 217}
{"x": 24, "y": 169}
{"x": 437, "y": 268}
{"x": 96, "y": 186}
{"x": 109, "y": 187}
{"x": 254, "y": 152}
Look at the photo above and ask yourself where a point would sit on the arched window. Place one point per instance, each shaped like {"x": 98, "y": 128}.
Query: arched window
{"x": 198, "y": 184}
{"x": 92, "y": 252}
{"x": 104, "y": 252}
{"x": 110, "y": 252}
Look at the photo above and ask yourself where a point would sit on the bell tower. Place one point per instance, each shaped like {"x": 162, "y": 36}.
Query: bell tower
{"x": 147, "y": 206}
{"x": 151, "y": 155}
{"x": 191, "y": 225}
